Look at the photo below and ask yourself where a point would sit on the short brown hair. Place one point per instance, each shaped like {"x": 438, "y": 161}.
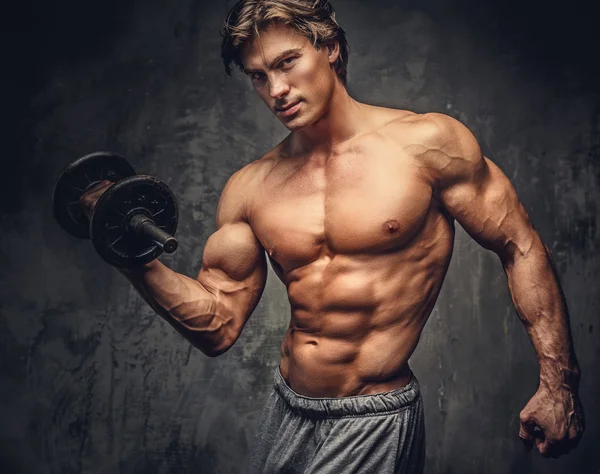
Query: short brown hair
{"x": 315, "y": 19}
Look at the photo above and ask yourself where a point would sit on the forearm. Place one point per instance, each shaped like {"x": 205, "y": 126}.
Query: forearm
{"x": 183, "y": 302}
{"x": 541, "y": 306}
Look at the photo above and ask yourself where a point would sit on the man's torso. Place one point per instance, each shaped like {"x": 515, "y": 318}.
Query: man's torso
{"x": 362, "y": 247}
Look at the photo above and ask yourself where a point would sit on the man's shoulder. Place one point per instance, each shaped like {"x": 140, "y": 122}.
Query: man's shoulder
{"x": 239, "y": 190}
{"x": 429, "y": 135}
{"x": 428, "y": 128}
{"x": 254, "y": 171}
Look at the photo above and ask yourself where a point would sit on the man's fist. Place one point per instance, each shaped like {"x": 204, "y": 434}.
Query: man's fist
{"x": 553, "y": 420}
{"x": 89, "y": 199}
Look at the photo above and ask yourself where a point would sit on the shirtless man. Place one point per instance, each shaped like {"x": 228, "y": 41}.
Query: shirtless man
{"x": 355, "y": 209}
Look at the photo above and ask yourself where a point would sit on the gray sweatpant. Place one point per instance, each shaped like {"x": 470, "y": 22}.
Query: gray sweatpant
{"x": 383, "y": 433}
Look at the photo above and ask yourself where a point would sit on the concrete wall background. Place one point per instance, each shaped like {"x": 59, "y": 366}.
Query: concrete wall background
{"x": 91, "y": 380}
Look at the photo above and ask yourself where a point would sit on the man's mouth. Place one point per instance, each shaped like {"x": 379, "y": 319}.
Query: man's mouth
{"x": 288, "y": 109}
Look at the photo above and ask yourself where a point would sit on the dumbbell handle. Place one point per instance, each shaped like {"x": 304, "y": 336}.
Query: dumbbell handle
{"x": 142, "y": 225}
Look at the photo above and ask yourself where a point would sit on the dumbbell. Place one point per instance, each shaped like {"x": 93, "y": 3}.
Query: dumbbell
{"x": 133, "y": 222}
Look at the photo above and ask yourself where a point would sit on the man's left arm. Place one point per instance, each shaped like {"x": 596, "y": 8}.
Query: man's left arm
{"x": 483, "y": 201}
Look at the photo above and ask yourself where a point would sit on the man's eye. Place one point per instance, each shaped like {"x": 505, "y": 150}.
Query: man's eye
{"x": 257, "y": 76}
{"x": 287, "y": 61}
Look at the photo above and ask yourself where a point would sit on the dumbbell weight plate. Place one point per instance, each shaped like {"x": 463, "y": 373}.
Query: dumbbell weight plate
{"x": 75, "y": 179}
{"x": 111, "y": 235}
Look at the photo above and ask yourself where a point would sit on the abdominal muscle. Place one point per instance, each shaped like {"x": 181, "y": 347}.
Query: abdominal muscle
{"x": 316, "y": 366}
{"x": 356, "y": 321}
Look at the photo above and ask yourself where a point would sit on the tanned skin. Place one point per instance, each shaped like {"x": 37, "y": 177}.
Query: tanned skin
{"x": 355, "y": 209}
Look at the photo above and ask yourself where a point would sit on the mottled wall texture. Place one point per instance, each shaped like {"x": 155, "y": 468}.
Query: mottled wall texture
{"x": 93, "y": 381}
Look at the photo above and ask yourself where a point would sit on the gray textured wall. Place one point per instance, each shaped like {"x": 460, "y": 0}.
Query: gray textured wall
{"x": 93, "y": 381}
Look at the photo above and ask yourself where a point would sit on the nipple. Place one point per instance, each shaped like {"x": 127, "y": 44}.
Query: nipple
{"x": 391, "y": 226}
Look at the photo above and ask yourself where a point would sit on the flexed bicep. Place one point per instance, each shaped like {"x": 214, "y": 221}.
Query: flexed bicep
{"x": 234, "y": 267}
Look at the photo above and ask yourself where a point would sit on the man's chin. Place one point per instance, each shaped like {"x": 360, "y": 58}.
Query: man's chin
{"x": 296, "y": 123}
{"x": 293, "y": 125}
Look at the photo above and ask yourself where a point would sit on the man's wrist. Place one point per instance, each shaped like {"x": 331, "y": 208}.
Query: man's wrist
{"x": 138, "y": 271}
{"x": 554, "y": 375}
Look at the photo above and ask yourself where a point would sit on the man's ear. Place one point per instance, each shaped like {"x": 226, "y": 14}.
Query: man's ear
{"x": 333, "y": 51}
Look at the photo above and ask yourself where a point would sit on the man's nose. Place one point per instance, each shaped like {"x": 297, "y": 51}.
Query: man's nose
{"x": 278, "y": 87}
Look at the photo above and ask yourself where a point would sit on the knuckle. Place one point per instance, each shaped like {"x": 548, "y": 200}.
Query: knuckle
{"x": 84, "y": 199}
{"x": 545, "y": 452}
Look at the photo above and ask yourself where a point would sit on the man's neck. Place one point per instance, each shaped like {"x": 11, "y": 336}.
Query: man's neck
{"x": 341, "y": 121}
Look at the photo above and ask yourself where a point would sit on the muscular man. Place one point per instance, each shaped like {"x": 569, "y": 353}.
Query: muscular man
{"x": 355, "y": 209}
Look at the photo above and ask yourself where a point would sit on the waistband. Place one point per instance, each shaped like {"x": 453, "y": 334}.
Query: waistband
{"x": 355, "y": 405}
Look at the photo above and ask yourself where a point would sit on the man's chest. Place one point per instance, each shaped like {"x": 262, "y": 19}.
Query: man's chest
{"x": 356, "y": 203}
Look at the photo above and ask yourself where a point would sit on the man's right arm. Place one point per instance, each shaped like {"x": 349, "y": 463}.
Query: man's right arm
{"x": 211, "y": 310}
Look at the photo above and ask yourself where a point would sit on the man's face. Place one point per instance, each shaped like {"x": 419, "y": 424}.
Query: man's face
{"x": 291, "y": 76}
